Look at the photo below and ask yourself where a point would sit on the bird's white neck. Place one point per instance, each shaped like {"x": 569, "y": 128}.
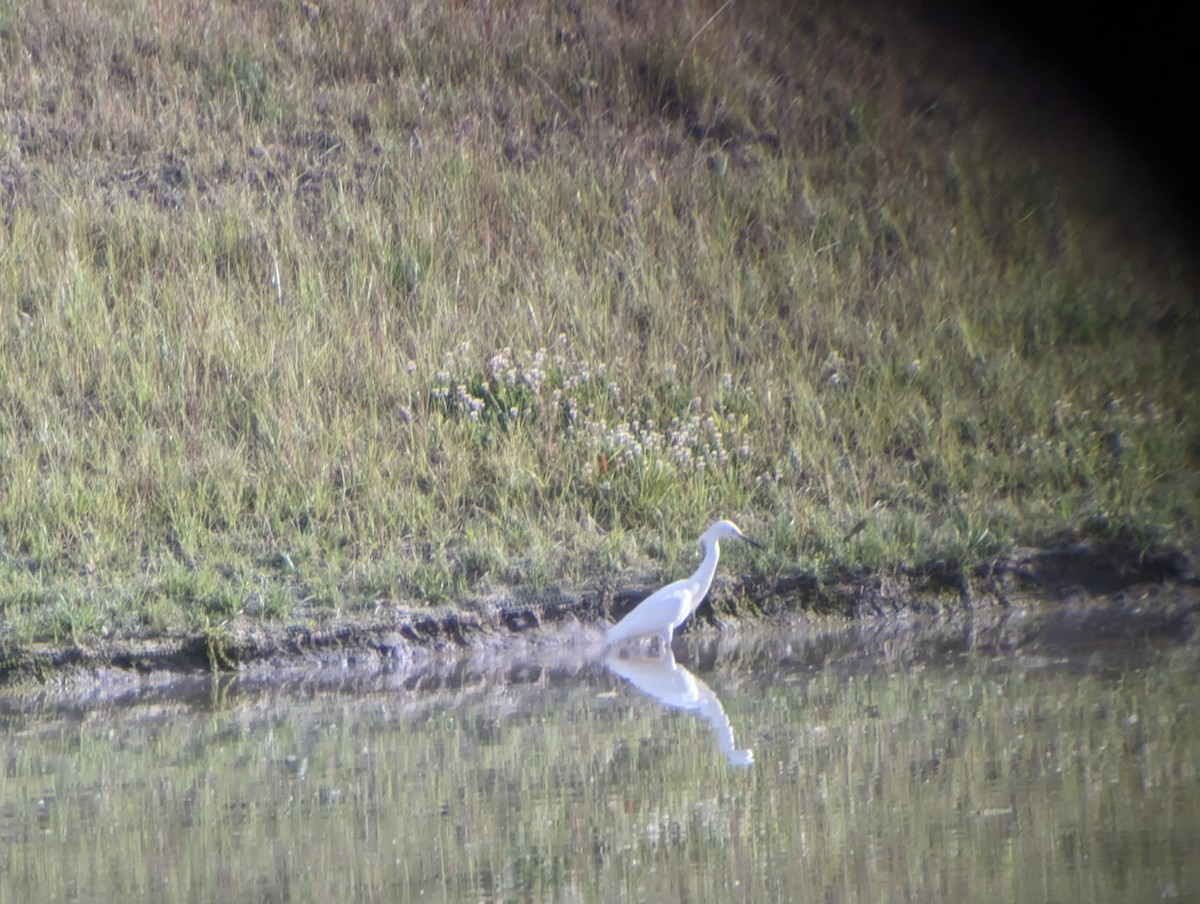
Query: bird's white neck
{"x": 708, "y": 567}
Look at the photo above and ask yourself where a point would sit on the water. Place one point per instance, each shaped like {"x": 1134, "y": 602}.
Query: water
{"x": 954, "y": 763}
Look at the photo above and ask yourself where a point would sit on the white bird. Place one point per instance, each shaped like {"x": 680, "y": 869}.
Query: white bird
{"x": 663, "y": 611}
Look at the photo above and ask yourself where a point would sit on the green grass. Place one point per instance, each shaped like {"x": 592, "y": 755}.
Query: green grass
{"x": 311, "y": 310}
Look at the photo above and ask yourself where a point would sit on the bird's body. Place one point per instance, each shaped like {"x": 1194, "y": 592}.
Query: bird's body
{"x": 660, "y": 613}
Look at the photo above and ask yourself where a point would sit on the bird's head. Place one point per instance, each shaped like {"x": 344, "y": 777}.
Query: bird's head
{"x": 725, "y": 530}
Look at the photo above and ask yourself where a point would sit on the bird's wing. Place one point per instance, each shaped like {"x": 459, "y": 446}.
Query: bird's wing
{"x": 653, "y": 614}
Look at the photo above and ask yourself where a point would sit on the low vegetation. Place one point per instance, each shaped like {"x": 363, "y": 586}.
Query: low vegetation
{"x": 313, "y": 309}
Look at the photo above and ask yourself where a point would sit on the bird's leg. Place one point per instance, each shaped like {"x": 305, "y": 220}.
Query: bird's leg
{"x": 664, "y": 641}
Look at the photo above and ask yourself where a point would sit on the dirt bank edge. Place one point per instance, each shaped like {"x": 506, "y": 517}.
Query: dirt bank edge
{"x": 1028, "y": 578}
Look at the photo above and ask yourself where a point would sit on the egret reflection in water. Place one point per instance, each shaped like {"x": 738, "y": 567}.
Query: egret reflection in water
{"x": 671, "y": 684}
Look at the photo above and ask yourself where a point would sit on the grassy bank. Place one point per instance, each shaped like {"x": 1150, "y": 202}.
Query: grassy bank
{"x": 311, "y": 309}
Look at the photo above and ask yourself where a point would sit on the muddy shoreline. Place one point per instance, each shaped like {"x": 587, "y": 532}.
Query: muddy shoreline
{"x": 1157, "y": 592}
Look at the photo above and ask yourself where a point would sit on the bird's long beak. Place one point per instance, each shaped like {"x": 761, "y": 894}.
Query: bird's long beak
{"x": 753, "y": 543}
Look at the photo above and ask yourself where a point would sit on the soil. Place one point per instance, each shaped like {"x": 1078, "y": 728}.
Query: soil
{"x": 1157, "y": 592}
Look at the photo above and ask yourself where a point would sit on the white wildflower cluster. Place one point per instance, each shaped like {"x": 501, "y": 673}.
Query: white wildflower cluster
{"x": 507, "y": 388}
{"x": 835, "y": 370}
{"x": 473, "y": 405}
{"x": 587, "y": 402}
{"x": 451, "y": 391}
{"x": 686, "y": 445}
{"x": 532, "y": 375}
{"x": 697, "y": 443}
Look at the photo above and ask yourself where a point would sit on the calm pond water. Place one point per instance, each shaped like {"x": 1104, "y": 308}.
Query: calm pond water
{"x": 960, "y": 762}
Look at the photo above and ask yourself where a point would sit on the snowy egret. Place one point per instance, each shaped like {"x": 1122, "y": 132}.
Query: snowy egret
{"x": 663, "y": 611}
